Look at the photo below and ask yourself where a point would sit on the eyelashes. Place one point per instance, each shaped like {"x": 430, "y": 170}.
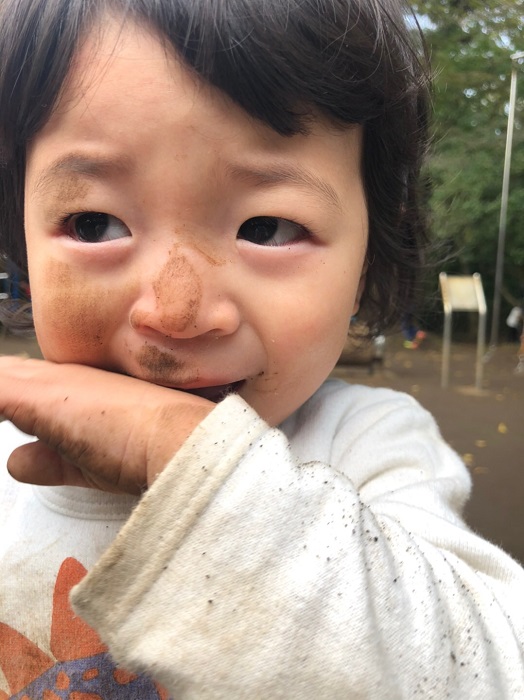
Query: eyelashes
{"x": 271, "y": 231}
{"x": 93, "y": 227}
{"x": 99, "y": 227}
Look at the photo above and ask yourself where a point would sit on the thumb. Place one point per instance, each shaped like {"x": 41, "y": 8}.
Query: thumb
{"x": 37, "y": 463}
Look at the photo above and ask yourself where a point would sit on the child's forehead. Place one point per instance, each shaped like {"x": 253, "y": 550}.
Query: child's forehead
{"x": 115, "y": 37}
{"x": 247, "y": 82}
{"x": 125, "y": 66}
{"x": 120, "y": 54}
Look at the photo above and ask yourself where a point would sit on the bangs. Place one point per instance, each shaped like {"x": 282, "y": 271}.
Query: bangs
{"x": 284, "y": 61}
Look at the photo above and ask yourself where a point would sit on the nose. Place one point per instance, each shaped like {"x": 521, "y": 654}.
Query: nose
{"x": 186, "y": 299}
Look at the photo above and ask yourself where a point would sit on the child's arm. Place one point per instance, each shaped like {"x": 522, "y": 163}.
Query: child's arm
{"x": 243, "y": 574}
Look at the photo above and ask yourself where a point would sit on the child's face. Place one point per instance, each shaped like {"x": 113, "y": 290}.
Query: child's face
{"x": 173, "y": 238}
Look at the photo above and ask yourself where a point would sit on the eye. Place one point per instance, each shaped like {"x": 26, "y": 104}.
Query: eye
{"x": 271, "y": 231}
{"x": 96, "y": 227}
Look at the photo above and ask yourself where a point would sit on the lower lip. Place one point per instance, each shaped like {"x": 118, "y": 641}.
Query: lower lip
{"x": 216, "y": 393}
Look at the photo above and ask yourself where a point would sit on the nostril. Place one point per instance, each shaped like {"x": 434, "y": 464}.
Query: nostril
{"x": 137, "y": 319}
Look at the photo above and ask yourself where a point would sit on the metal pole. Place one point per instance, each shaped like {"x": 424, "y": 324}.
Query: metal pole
{"x": 446, "y": 348}
{"x": 481, "y": 333}
{"x": 446, "y": 340}
{"x": 499, "y": 269}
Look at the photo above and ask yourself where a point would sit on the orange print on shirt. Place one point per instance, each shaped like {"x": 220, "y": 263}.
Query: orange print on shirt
{"x": 80, "y": 667}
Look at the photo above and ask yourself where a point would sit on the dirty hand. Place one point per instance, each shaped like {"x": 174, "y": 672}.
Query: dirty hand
{"x": 94, "y": 428}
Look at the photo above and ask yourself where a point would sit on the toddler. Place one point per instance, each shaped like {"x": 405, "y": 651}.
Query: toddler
{"x": 204, "y": 192}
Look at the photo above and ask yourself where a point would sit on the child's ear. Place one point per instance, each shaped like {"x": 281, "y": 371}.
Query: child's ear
{"x": 360, "y": 288}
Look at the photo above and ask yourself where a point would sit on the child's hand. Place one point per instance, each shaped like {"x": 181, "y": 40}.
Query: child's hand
{"x": 94, "y": 428}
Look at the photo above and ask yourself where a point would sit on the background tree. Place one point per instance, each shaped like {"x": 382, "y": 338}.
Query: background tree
{"x": 471, "y": 42}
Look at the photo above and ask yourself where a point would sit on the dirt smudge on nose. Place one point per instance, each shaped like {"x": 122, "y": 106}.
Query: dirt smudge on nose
{"x": 178, "y": 292}
{"x": 214, "y": 261}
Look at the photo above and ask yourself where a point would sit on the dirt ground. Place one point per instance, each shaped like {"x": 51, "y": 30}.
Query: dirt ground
{"x": 486, "y": 427}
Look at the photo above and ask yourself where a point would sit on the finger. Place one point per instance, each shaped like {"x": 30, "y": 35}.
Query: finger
{"x": 60, "y": 404}
{"x": 36, "y": 463}
{"x": 118, "y": 432}
{"x": 27, "y": 384}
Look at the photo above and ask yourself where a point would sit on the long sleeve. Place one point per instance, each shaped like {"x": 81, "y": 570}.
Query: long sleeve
{"x": 330, "y": 562}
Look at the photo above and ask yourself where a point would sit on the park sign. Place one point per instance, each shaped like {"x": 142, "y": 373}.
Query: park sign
{"x": 462, "y": 293}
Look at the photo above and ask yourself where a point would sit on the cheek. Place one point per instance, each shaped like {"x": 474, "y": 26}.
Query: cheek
{"x": 305, "y": 338}
{"x": 318, "y": 317}
{"x": 73, "y": 315}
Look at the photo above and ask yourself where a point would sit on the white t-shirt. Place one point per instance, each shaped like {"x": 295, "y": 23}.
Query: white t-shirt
{"x": 325, "y": 559}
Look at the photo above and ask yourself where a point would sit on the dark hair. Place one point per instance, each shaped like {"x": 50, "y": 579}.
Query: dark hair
{"x": 283, "y": 61}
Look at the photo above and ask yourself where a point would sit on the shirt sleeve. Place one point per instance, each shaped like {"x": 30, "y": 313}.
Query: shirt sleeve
{"x": 245, "y": 572}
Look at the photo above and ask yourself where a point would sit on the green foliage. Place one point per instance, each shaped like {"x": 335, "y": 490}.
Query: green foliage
{"x": 471, "y": 43}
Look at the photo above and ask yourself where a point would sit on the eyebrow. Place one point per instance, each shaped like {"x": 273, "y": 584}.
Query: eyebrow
{"x": 277, "y": 174}
{"x": 102, "y": 167}
{"x": 90, "y": 167}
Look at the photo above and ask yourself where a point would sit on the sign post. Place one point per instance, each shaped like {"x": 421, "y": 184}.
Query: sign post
{"x": 462, "y": 293}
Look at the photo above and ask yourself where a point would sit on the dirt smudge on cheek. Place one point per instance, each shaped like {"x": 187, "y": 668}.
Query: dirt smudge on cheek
{"x": 74, "y": 313}
{"x": 178, "y": 293}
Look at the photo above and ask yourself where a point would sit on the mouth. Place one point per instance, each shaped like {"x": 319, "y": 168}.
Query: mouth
{"x": 216, "y": 393}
